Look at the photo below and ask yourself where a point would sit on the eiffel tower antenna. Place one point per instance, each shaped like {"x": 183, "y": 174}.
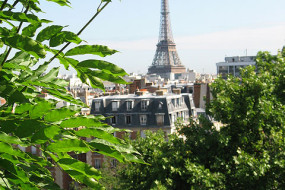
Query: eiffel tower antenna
{"x": 166, "y": 62}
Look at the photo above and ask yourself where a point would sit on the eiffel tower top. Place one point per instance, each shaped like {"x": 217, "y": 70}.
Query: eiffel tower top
{"x": 166, "y": 62}
{"x": 165, "y": 33}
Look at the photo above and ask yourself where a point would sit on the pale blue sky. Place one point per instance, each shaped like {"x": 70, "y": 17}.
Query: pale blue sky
{"x": 204, "y": 31}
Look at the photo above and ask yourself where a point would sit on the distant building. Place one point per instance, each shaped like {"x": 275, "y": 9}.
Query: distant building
{"x": 142, "y": 111}
{"x": 232, "y": 65}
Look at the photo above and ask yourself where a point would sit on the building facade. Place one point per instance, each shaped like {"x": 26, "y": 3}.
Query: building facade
{"x": 232, "y": 65}
{"x": 144, "y": 111}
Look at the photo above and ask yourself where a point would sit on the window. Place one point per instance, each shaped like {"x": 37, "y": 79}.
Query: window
{"x": 129, "y": 105}
{"x": 160, "y": 105}
{"x": 115, "y": 105}
{"x": 128, "y": 119}
{"x": 144, "y": 104}
{"x": 173, "y": 102}
{"x": 114, "y": 120}
{"x": 97, "y": 163}
{"x": 178, "y": 102}
{"x": 223, "y": 70}
{"x": 143, "y": 119}
{"x": 160, "y": 119}
{"x": 97, "y": 105}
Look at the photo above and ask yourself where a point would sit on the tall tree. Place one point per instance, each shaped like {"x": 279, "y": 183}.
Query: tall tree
{"x": 28, "y": 120}
{"x": 247, "y": 152}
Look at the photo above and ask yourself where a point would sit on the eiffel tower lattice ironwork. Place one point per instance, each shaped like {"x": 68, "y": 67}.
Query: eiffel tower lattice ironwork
{"x": 166, "y": 62}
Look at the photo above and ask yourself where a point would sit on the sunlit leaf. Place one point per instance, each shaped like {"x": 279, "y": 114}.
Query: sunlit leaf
{"x": 48, "y": 32}
{"x": 26, "y": 44}
{"x": 100, "y": 50}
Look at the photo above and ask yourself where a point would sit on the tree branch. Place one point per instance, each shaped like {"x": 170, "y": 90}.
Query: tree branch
{"x": 14, "y": 4}
{"x": 3, "y": 5}
{"x": 18, "y": 30}
{"x": 99, "y": 10}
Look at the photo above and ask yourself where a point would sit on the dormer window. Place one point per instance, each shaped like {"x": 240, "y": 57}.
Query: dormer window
{"x": 115, "y": 105}
{"x": 160, "y": 104}
{"x": 130, "y": 105}
{"x": 144, "y": 104}
{"x": 97, "y": 105}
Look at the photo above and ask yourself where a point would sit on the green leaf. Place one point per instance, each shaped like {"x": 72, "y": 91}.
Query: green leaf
{"x": 58, "y": 114}
{"x": 119, "y": 147}
{"x": 17, "y": 97}
{"x": 45, "y": 134}
{"x": 21, "y": 17}
{"x": 76, "y": 165}
{"x": 64, "y": 36}
{"x": 81, "y": 171}
{"x": 100, "y": 50}
{"x": 80, "y": 122}
{"x": 20, "y": 109}
{"x": 95, "y": 82}
{"x": 26, "y": 44}
{"x": 10, "y": 139}
{"x": 48, "y": 32}
{"x": 69, "y": 145}
{"x": 27, "y": 128}
{"x": 63, "y": 96}
{"x": 107, "y": 151}
{"x": 133, "y": 158}
{"x": 41, "y": 69}
{"x": 6, "y": 148}
{"x": 90, "y": 182}
{"x": 8, "y": 126}
{"x": 4, "y": 32}
{"x": 104, "y": 66}
{"x": 15, "y": 170}
{"x": 23, "y": 59}
{"x": 40, "y": 109}
{"x": 31, "y": 29}
{"x": 61, "y": 2}
{"x": 50, "y": 76}
{"x": 108, "y": 77}
{"x": 98, "y": 133}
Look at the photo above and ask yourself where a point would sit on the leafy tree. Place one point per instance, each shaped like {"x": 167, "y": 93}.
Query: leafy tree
{"x": 248, "y": 152}
{"x": 170, "y": 166}
{"x": 28, "y": 120}
{"x": 251, "y": 143}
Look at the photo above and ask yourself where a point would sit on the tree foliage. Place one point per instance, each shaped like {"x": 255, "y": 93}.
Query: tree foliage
{"x": 28, "y": 120}
{"x": 170, "y": 166}
{"x": 247, "y": 152}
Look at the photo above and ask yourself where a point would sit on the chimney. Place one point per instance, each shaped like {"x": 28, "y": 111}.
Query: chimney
{"x": 159, "y": 92}
{"x": 176, "y": 91}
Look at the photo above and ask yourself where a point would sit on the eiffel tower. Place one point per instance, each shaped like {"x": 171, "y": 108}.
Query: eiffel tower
{"x": 166, "y": 62}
